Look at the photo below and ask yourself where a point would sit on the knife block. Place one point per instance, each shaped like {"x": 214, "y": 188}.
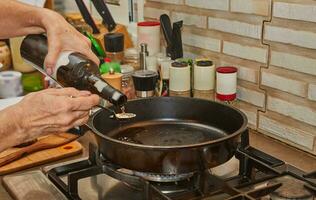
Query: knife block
{"x": 128, "y": 43}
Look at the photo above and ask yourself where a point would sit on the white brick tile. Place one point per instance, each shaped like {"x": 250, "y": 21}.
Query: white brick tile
{"x": 154, "y": 12}
{"x": 251, "y": 96}
{"x": 244, "y": 73}
{"x": 284, "y": 83}
{"x": 312, "y": 91}
{"x": 190, "y": 20}
{"x": 294, "y": 62}
{"x": 246, "y": 52}
{"x": 259, "y": 7}
{"x": 235, "y": 27}
{"x": 294, "y": 110}
{"x": 251, "y": 116}
{"x": 286, "y": 131}
{"x": 250, "y": 111}
{"x": 290, "y": 36}
{"x": 201, "y": 42}
{"x": 209, "y": 4}
{"x": 169, "y": 1}
{"x": 305, "y": 12}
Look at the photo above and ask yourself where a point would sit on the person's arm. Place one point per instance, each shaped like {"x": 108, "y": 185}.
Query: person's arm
{"x": 18, "y": 19}
{"x": 45, "y": 112}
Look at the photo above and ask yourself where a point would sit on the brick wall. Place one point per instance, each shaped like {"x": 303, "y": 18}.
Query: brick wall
{"x": 272, "y": 43}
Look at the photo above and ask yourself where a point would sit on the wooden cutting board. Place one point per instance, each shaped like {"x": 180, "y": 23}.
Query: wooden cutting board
{"x": 49, "y": 148}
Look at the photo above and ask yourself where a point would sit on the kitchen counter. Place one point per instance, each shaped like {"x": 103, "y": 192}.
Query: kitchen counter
{"x": 275, "y": 148}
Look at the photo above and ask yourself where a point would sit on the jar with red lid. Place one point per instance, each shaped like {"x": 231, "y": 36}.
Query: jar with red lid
{"x": 226, "y": 84}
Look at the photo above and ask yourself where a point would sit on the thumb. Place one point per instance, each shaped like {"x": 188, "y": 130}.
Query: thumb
{"x": 52, "y": 55}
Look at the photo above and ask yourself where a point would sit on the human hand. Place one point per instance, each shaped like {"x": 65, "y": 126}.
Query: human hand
{"x": 63, "y": 37}
{"x": 53, "y": 111}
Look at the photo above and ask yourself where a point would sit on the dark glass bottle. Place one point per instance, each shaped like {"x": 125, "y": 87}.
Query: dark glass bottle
{"x": 72, "y": 69}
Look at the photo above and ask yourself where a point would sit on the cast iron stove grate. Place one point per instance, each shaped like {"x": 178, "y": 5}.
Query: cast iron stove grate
{"x": 261, "y": 176}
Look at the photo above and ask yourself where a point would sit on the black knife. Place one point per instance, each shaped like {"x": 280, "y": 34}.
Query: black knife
{"x": 166, "y": 28}
{"x": 86, "y": 16}
{"x": 104, "y": 11}
{"x": 177, "y": 50}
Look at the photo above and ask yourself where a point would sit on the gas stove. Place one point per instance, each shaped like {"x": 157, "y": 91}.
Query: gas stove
{"x": 259, "y": 176}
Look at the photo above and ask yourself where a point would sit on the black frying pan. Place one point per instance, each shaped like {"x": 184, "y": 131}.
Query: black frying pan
{"x": 170, "y": 135}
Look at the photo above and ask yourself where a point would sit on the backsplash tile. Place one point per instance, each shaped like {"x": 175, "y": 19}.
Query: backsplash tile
{"x": 275, "y": 54}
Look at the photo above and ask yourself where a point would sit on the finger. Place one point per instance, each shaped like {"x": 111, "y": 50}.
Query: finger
{"x": 68, "y": 118}
{"x": 91, "y": 56}
{"x": 54, "y": 48}
{"x": 85, "y": 103}
{"x": 68, "y": 92}
{"x": 81, "y": 121}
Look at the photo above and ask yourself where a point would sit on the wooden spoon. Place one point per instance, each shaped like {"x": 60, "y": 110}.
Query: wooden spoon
{"x": 50, "y": 141}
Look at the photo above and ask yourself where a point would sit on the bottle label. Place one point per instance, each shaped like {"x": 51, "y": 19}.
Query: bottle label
{"x": 62, "y": 60}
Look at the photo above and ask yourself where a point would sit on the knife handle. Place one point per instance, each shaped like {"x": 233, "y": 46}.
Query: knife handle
{"x": 86, "y": 16}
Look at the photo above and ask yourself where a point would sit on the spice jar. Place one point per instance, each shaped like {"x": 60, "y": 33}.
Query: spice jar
{"x": 5, "y": 56}
{"x": 226, "y": 84}
{"x": 180, "y": 79}
{"x": 127, "y": 81}
{"x": 114, "y": 79}
{"x": 114, "y": 46}
{"x": 204, "y": 79}
{"x": 131, "y": 57}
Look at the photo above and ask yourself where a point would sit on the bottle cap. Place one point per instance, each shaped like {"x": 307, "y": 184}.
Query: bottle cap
{"x": 114, "y": 42}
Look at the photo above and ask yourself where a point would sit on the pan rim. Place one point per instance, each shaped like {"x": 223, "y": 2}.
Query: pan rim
{"x": 242, "y": 129}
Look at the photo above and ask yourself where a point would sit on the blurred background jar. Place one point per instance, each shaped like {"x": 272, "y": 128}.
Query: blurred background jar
{"x": 5, "y": 56}
{"x": 127, "y": 81}
{"x": 131, "y": 57}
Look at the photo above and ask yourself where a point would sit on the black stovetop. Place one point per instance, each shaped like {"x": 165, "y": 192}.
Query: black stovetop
{"x": 260, "y": 176}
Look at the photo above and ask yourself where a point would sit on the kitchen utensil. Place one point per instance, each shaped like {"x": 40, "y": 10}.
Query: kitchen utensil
{"x": 48, "y": 142}
{"x": 105, "y": 13}
{"x": 177, "y": 51}
{"x": 169, "y": 135}
{"x": 118, "y": 116}
{"x": 96, "y": 47}
{"x": 167, "y": 31}
{"x": 86, "y": 16}
{"x": 40, "y": 157}
{"x": 149, "y": 32}
{"x": 226, "y": 83}
{"x": 172, "y": 36}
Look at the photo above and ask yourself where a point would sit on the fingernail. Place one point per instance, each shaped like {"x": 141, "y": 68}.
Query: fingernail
{"x": 49, "y": 71}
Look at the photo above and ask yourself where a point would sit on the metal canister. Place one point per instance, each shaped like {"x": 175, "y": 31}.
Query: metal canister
{"x": 226, "y": 83}
{"x": 204, "y": 79}
{"x": 180, "y": 79}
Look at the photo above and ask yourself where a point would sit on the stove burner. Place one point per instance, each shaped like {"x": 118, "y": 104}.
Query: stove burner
{"x": 291, "y": 189}
{"x": 163, "y": 177}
